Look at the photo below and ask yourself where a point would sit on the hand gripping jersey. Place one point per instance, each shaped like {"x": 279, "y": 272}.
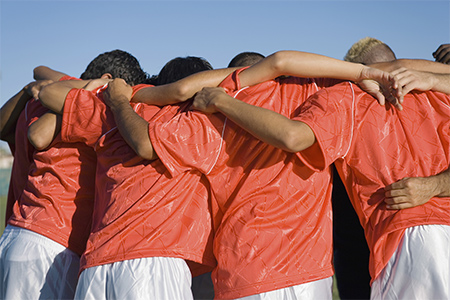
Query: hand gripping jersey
{"x": 140, "y": 209}
{"x": 56, "y": 199}
{"x": 272, "y": 215}
{"x": 373, "y": 146}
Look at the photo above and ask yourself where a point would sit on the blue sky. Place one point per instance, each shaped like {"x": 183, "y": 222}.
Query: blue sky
{"x": 67, "y": 35}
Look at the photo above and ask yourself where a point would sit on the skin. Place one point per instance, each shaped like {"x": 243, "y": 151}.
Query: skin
{"x": 294, "y": 136}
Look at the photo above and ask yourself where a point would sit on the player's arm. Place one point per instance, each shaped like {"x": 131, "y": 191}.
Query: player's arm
{"x": 42, "y": 132}
{"x": 413, "y": 191}
{"x": 182, "y": 89}
{"x": 44, "y": 73}
{"x": 53, "y": 96}
{"x": 422, "y": 81}
{"x": 266, "y": 125}
{"x": 10, "y": 111}
{"x": 303, "y": 64}
{"x": 132, "y": 127}
{"x": 415, "y": 64}
{"x": 442, "y": 54}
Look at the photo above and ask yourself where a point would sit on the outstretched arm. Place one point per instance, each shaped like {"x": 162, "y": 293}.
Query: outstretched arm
{"x": 414, "y": 191}
{"x": 422, "y": 81}
{"x": 303, "y": 64}
{"x": 266, "y": 125}
{"x": 182, "y": 89}
{"x": 415, "y": 64}
{"x": 132, "y": 127}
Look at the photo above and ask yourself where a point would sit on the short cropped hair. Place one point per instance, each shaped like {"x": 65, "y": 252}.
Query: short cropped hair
{"x": 179, "y": 68}
{"x": 245, "y": 59}
{"x": 368, "y": 51}
{"x": 119, "y": 64}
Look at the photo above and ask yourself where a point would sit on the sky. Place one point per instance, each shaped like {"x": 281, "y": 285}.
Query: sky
{"x": 66, "y": 35}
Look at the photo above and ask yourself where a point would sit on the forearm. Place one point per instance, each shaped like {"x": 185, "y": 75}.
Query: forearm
{"x": 442, "y": 83}
{"x": 415, "y": 64}
{"x": 442, "y": 183}
{"x": 183, "y": 89}
{"x": 42, "y": 132}
{"x": 266, "y": 125}
{"x": 46, "y": 73}
{"x": 53, "y": 96}
{"x": 134, "y": 130}
{"x": 300, "y": 64}
{"x": 10, "y": 112}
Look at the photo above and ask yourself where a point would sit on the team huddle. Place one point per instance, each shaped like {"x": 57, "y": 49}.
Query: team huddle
{"x": 126, "y": 186}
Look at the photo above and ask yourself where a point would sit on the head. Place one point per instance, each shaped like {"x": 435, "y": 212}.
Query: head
{"x": 245, "y": 59}
{"x": 179, "y": 68}
{"x": 115, "y": 64}
{"x": 369, "y": 51}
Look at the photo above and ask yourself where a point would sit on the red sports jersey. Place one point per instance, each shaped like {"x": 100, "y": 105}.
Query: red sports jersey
{"x": 272, "y": 214}
{"x": 56, "y": 201}
{"x": 140, "y": 209}
{"x": 373, "y": 146}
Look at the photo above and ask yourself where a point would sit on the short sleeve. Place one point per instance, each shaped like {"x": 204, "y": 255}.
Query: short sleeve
{"x": 330, "y": 114}
{"x": 83, "y": 117}
{"x": 188, "y": 141}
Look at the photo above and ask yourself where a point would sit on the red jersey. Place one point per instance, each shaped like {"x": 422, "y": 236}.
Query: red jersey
{"x": 272, "y": 214}
{"x": 373, "y": 146}
{"x": 56, "y": 199}
{"x": 140, "y": 209}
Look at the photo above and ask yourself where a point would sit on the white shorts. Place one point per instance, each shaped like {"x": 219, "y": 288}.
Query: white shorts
{"x": 35, "y": 267}
{"x": 319, "y": 289}
{"x": 144, "y": 278}
{"x": 419, "y": 268}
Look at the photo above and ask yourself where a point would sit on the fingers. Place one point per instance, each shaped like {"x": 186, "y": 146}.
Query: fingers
{"x": 442, "y": 54}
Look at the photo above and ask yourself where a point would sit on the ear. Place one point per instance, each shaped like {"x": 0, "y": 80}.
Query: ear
{"x": 107, "y": 76}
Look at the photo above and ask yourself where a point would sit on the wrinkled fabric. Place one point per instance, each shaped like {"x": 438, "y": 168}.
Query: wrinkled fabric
{"x": 272, "y": 214}
{"x": 320, "y": 289}
{"x": 35, "y": 267}
{"x": 57, "y": 191}
{"x": 140, "y": 209}
{"x": 419, "y": 268}
{"x": 145, "y": 278}
{"x": 373, "y": 146}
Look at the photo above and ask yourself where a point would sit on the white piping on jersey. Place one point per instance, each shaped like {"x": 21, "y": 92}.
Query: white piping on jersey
{"x": 353, "y": 121}
{"x": 223, "y": 133}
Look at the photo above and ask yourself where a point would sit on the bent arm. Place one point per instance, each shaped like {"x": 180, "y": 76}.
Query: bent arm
{"x": 10, "y": 112}
{"x": 413, "y": 191}
{"x": 42, "y": 132}
{"x": 43, "y": 73}
{"x": 132, "y": 127}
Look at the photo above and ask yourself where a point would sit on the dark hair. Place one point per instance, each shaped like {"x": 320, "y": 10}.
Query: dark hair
{"x": 179, "y": 68}
{"x": 119, "y": 64}
{"x": 245, "y": 59}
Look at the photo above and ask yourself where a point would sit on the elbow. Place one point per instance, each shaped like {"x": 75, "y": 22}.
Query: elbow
{"x": 279, "y": 61}
{"x": 145, "y": 151}
{"x": 182, "y": 91}
{"x": 297, "y": 138}
{"x": 36, "y": 140}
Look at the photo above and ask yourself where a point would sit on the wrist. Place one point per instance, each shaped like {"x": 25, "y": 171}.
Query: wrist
{"x": 121, "y": 103}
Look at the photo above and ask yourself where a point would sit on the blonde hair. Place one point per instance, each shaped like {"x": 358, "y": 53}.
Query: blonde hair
{"x": 361, "y": 48}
